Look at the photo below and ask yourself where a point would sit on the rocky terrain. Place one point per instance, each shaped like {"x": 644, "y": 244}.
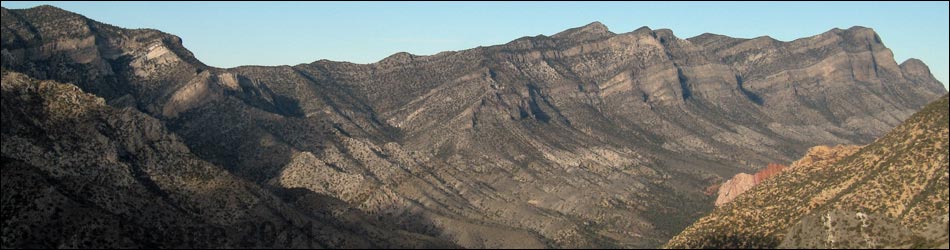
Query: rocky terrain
{"x": 586, "y": 138}
{"x": 853, "y": 230}
{"x": 742, "y": 182}
{"x": 892, "y": 193}
{"x": 79, "y": 174}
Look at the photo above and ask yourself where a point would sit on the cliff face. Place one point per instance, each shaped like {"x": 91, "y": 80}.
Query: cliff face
{"x": 891, "y": 193}
{"x": 586, "y": 138}
{"x": 732, "y": 188}
{"x": 742, "y": 182}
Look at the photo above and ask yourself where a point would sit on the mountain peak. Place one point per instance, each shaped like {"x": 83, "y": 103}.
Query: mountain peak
{"x": 860, "y": 28}
{"x": 590, "y": 31}
{"x": 399, "y": 57}
{"x": 914, "y": 62}
{"x": 50, "y": 10}
{"x": 596, "y": 25}
{"x": 47, "y": 7}
{"x": 861, "y": 31}
{"x": 642, "y": 30}
{"x": 858, "y": 34}
{"x": 916, "y": 70}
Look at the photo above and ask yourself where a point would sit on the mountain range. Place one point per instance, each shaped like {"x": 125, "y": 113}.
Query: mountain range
{"x": 587, "y": 138}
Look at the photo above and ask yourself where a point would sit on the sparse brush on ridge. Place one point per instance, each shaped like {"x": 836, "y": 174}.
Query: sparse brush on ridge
{"x": 889, "y": 194}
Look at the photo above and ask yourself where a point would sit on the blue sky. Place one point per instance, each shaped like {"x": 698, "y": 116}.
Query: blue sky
{"x": 288, "y": 33}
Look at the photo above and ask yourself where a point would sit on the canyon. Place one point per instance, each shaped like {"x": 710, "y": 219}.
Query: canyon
{"x": 583, "y": 139}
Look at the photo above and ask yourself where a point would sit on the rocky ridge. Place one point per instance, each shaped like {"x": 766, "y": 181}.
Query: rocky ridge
{"x": 586, "y": 138}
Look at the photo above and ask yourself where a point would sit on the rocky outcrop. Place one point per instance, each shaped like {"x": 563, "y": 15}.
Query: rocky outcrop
{"x": 890, "y": 193}
{"x": 742, "y": 182}
{"x": 587, "y": 138}
{"x": 771, "y": 170}
{"x": 734, "y": 187}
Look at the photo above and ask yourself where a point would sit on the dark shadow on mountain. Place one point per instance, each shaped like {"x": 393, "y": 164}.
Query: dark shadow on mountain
{"x": 340, "y": 214}
{"x": 258, "y": 95}
{"x": 684, "y": 82}
{"x": 755, "y": 98}
{"x": 252, "y": 147}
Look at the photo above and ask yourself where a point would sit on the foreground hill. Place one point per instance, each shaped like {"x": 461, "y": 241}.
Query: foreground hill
{"x": 891, "y": 193}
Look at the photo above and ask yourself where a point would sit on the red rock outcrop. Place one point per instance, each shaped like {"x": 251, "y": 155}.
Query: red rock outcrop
{"x": 771, "y": 170}
{"x": 734, "y": 187}
{"x": 743, "y": 182}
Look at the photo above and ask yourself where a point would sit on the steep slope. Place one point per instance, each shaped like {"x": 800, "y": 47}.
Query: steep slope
{"x": 896, "y": 186}
{"x": 586, "y": 138}
{"x": 78, "y": 173}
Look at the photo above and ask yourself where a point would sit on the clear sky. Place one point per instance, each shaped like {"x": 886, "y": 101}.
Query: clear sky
{"x": 228, "y": 34}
